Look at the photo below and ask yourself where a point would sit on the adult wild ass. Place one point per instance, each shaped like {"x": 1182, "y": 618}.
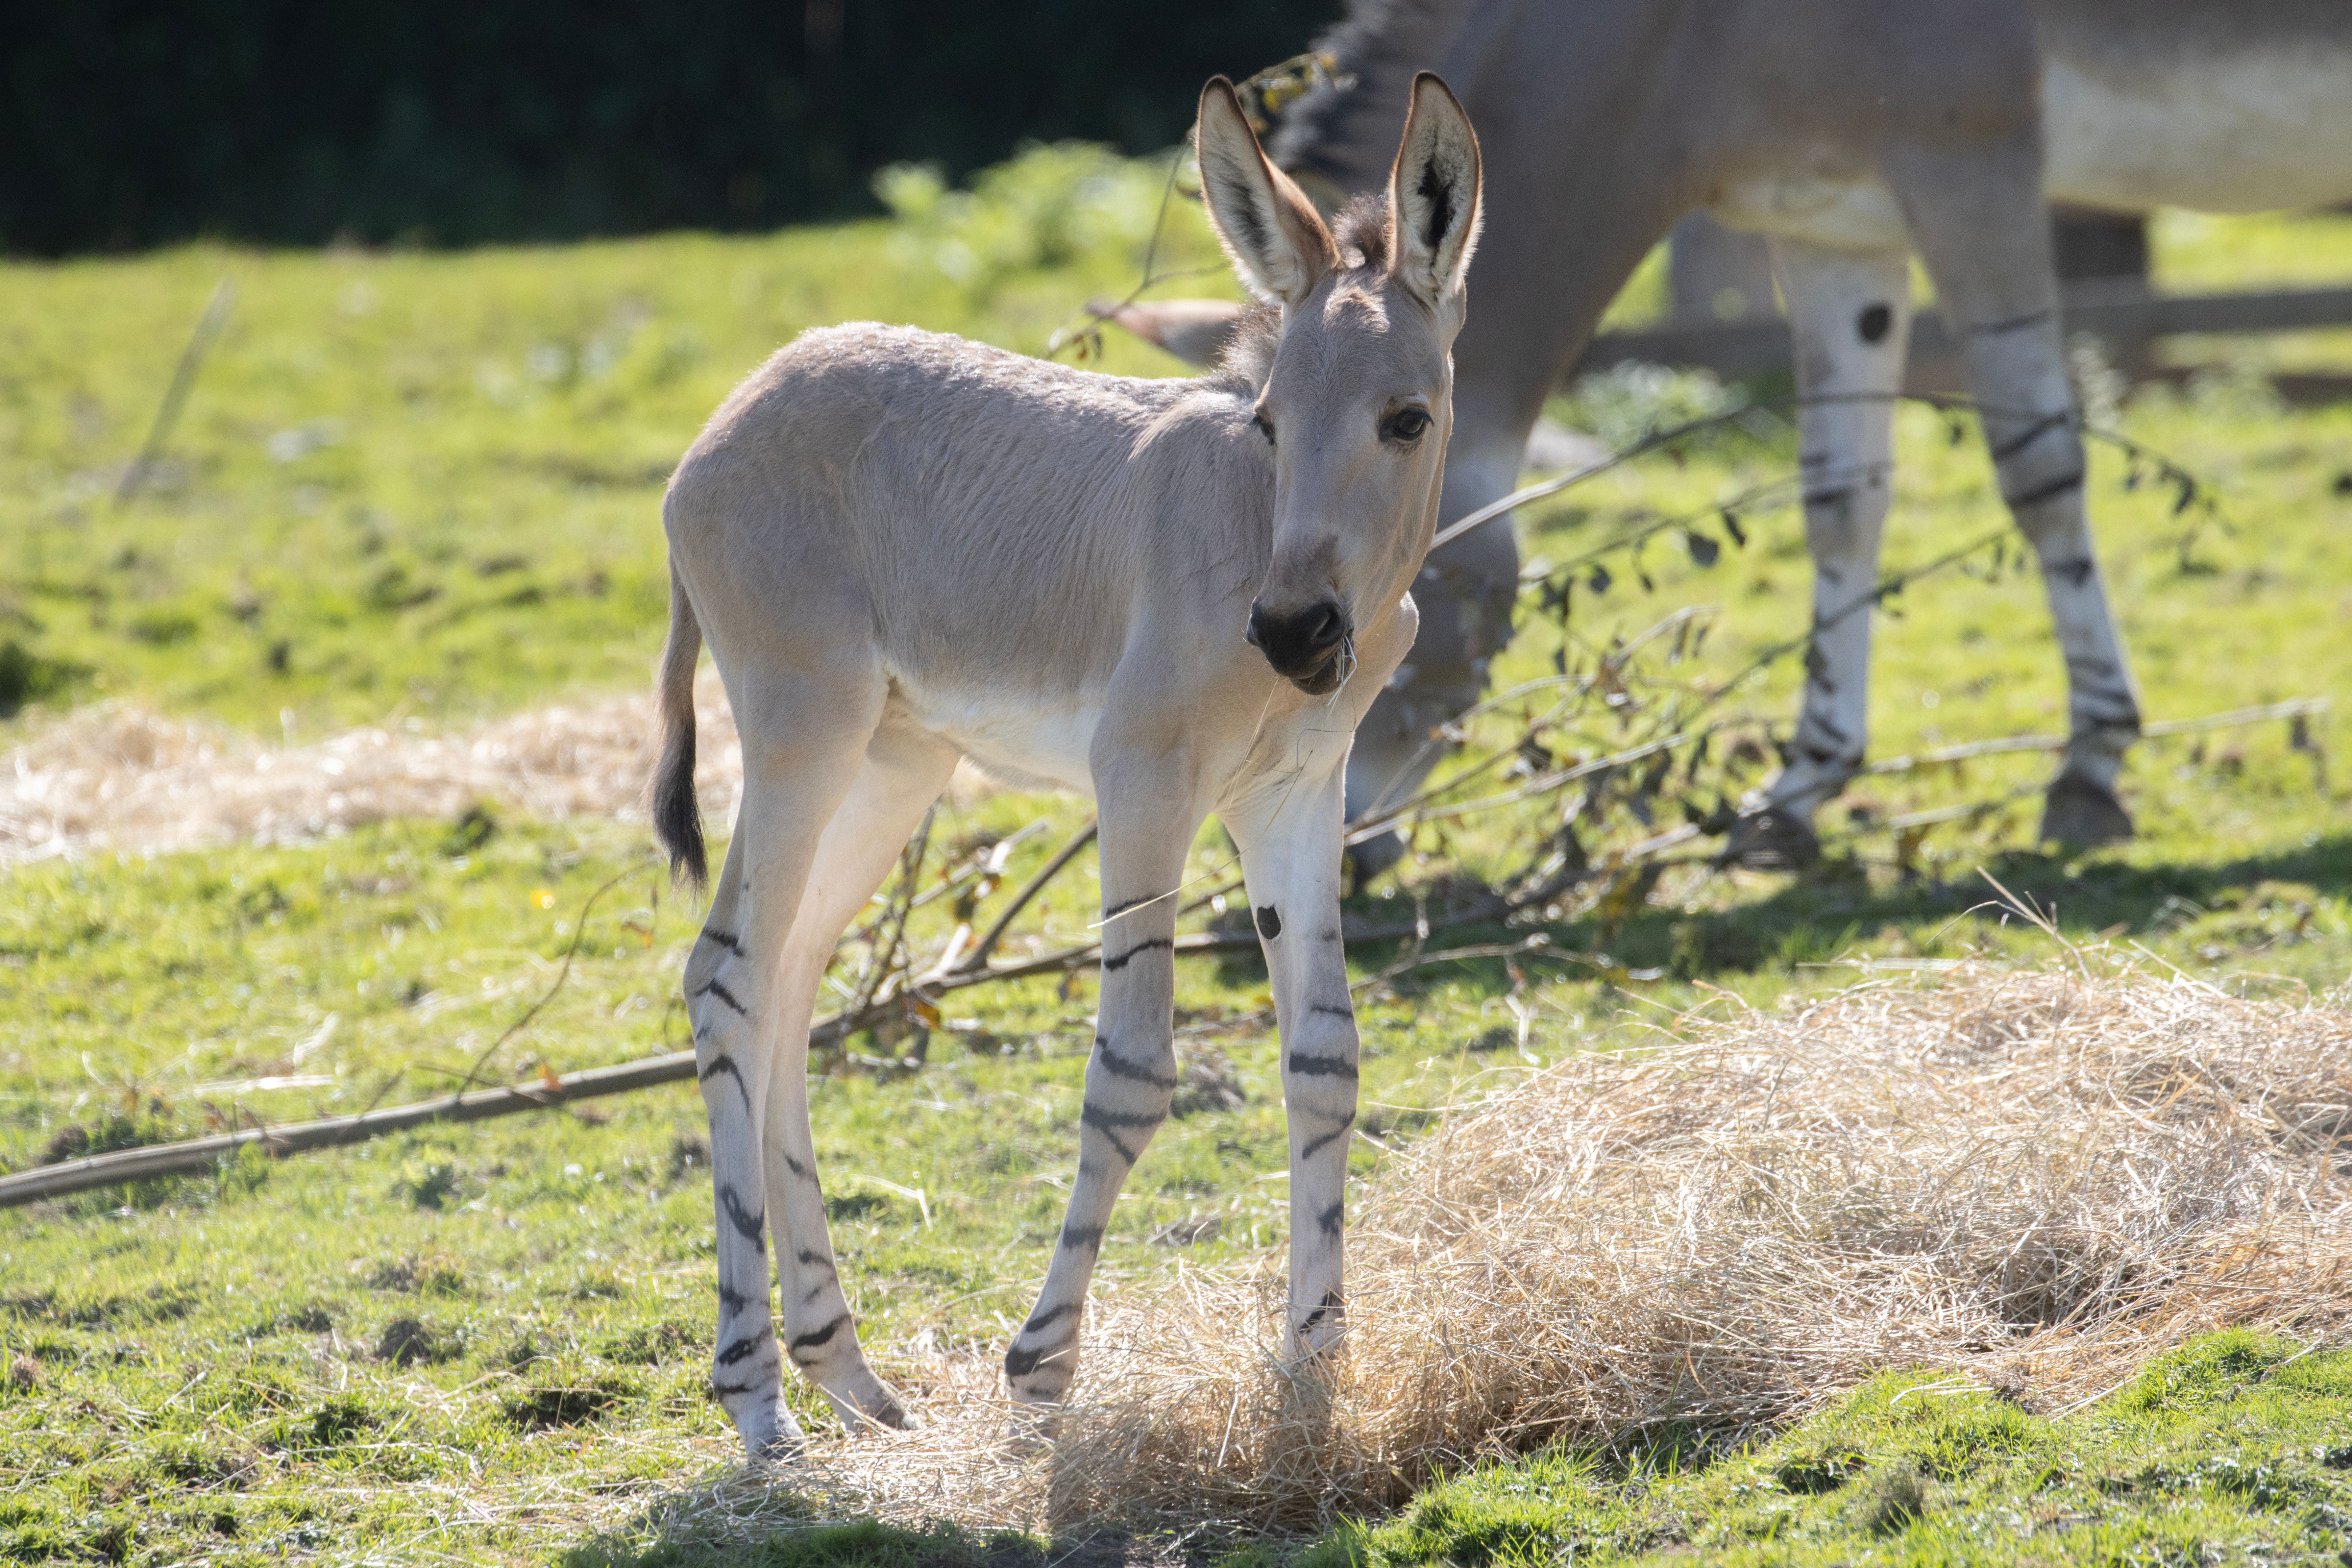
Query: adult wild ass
{"x": 1852, "y": 133}
{"x": 1177, "y": 597}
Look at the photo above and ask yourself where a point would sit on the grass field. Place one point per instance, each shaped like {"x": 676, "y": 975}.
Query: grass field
{"x": 413, "y": 486}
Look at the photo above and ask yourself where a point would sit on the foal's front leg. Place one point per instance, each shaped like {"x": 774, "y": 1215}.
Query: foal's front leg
{"x": 1147, "y": 827}
{"x": 1289, "y": 834}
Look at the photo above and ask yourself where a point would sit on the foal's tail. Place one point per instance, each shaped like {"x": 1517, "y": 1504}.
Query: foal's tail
{"x": 678, "y": 817}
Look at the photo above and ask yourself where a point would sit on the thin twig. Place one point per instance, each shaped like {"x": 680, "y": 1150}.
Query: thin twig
{"x": 183, "y": 378}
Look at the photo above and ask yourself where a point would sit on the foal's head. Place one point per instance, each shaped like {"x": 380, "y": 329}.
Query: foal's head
{"x": 1359, "y": 404}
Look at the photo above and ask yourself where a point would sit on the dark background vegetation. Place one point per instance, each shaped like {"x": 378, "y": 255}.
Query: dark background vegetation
{"x": 456, "y": 122}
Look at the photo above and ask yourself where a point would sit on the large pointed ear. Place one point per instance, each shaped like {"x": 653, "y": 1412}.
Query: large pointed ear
{"x": 1434, "y": 194}
{"x": 1279, "y": 247}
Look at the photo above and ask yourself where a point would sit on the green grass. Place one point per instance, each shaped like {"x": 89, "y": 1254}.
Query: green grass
{"x": 2234, "y": 1448}
{"x": 490, "y": 1341}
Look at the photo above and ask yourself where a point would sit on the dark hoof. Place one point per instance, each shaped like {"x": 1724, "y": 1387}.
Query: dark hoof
{"x": 2078, "y": 812}
{"x": 784, "y": 1448}
{"x": 1373, "y": 857}
{"x": 1771, "y": 840}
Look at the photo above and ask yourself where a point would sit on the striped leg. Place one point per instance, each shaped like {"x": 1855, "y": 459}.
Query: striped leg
{"x": 1290, "y": 857}
{"x": 903, "y": 773}
{"x": 1850, "y": 316}
{"x": 1132, "y": 1076}
{"x": 789, "y": 792}
{"x": 1985, "y": 238}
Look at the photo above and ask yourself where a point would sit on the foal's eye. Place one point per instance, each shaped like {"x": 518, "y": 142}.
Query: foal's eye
{"x": 1264, "y": 426}
{"x": 1405, "y": 425}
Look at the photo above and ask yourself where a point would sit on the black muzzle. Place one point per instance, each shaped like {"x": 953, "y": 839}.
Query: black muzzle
{"x": 1303, "y": 646}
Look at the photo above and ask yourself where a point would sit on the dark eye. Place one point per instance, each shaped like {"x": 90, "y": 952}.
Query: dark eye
{"x": 1264, "y": 426}
{"x": 1406, "y": 425}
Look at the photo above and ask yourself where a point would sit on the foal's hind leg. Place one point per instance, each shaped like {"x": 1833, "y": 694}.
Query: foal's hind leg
{"x": 903, "y": 773}
{"x": 801, "y": 751}
{"x": 1983, "y": 233}
{"x": 1850, "y": 313}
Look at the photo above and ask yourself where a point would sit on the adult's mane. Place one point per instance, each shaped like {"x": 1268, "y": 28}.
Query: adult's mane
{"x": 1348, "y": 137}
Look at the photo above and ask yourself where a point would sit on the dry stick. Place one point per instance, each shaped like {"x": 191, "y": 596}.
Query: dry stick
{"x": 184, "y": 377}
{"x": 977, "y": 959}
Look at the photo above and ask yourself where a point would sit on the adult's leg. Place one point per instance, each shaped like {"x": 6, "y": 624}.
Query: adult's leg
{"x": 1849, "y": 314}
{"x": 903, "y": 773}
{"x": 1978, "y": 222}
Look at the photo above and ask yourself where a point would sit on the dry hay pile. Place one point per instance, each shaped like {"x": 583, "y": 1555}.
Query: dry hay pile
{"x": 2031, "y": 1180}
{"x": 117, "y": 778}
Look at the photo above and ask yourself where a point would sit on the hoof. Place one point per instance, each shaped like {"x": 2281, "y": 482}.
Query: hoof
{"x": 770, "y": 1435}
{"x": 1771, "y": 840}
{"x": 2078, "y": 812}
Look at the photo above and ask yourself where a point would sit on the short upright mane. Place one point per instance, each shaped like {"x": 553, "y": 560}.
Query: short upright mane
{"x": 1361, "y": 232}
{"x": 1348, "y": 136}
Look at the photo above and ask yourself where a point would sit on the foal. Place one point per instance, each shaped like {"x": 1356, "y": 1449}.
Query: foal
{"x": 904, "y": 549}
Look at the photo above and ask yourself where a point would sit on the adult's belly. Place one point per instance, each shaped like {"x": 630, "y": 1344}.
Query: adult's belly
{"x": 2266, "y": 127}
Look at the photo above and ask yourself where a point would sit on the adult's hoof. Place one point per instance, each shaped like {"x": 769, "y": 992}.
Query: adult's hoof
{"x": 777, "y": 1440}
{"x": 1771, "y": 840}
{"x": 2077, "y": 811}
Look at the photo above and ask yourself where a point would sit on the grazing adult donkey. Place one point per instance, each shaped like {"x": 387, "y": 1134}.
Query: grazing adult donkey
{"x": 1178, "y": 596}
{"x": 1852, "y": 134}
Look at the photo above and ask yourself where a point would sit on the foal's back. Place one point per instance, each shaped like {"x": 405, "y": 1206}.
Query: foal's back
{"x": 938, "y": 491}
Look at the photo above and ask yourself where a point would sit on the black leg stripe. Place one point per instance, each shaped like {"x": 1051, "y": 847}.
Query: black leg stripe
{"x": 727, "y": 940}
{"x": 1086, "y": 1236}
{"x": 2030, "y": 435}
{"x": 795, "y": 1167}
{"x": 1316, "y": 1145}
{"x": 1047, "y": 1316}
{"x": 1145, "y": 946}
{"x": 741, "y": 1348}
{"x": 1327, "y": 1221}
{"x": 2050, "y": 491}
{"x": 815, "y": 1337}
{"x": 808, "y": 1259}
{"x": 1102, "y": 1121}
{"x": 1304, "y": 1065}
{"x": 733, "y": 1389}
{"x": 1116, "y": 910}
{"x": 724, "y": 1064}
{"x": 750, "y": 1224}
{"x": 1329, "y": 1011}
{"x": 1119, "y": 1067}
{"x": 715, "y": 989}
{"x": 2014, "y": 323}
{"x": 1021, "y": 1363}
{"x": 732, "y": 1300}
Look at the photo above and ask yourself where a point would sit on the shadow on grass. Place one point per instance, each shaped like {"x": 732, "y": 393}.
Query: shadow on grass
{"x": 675, "y": 1534}
{"x": 2225, "y": 908}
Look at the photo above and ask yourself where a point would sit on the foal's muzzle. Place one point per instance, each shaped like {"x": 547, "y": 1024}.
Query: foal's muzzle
{"x": 1303, "y": 646}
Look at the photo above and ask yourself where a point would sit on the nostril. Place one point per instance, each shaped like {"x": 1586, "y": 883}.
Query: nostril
{"x": 1256, "y": 621}
{"x": 1325, "y": 627}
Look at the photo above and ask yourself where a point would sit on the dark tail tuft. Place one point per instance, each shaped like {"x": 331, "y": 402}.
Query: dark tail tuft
{"x": 677, "y": 815}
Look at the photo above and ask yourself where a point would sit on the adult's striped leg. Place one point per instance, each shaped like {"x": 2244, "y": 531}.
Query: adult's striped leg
{"x": 1984, "y": 235}
{"x": 903, "y": 773}
{"x": 1289, "y": 835}
{"x": 1148, "y": 821}
{"x": 791, "y": 788}
{"x": 1849, "y": 315}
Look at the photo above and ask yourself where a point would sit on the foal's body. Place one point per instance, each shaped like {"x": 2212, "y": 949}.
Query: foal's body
{"x": 904, "y": 549}
{"x": 1852, "y": 133}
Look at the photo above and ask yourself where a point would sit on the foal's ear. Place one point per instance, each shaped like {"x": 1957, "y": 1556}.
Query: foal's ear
{"x": 1267, "y": 224}
{"x": 1433, "y": 196}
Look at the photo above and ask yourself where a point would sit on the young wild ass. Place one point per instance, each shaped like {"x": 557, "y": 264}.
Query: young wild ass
{"x": 1852, "y": 133}
{"x": 1177, "y": 597}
